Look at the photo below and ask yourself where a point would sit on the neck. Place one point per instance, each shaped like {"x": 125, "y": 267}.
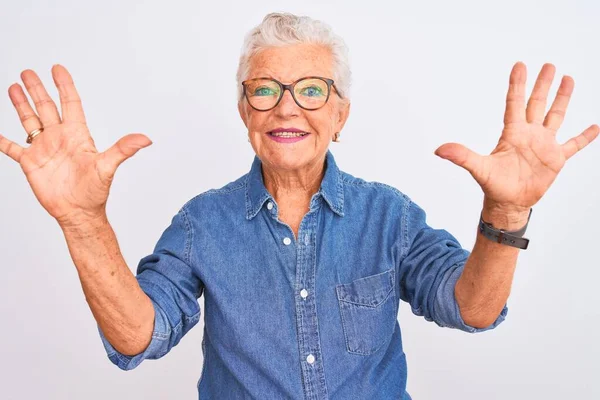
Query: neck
{"x": 291, "y": 187}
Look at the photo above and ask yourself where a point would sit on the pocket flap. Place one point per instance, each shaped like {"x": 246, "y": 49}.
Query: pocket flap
{"x": 368, "y": 291}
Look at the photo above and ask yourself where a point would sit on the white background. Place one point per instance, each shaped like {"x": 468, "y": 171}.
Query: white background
{"x": 425, "y": 73}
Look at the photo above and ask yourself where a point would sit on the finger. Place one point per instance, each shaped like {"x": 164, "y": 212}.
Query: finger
{"x": 557, "y": 112}
{"x": 11, "y": 149}
{"x": 28, "y": 117}
{"x": 515, "y": 98}
{"x": 580, "y": 141}
{"x": 123, "y": 149}
{"x": 536, "y": 107}
{"x": 47, "y": 111}
{"x": 70, "y": 103}
{"x": 463, "y": 157}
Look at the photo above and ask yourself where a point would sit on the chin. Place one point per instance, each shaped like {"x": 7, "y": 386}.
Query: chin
{"x": 287, "y": 159}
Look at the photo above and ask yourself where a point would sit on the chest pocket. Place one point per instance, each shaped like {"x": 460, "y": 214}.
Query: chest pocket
{"x": 368, "y": 310}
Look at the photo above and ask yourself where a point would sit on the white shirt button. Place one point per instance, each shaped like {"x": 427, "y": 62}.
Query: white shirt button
{"x": 310, "y": 359}
{"x": 270, "y": 205}
{"x": 306, "y": 239}
{"x": 287, "y": 241}
{"x": 303, "y": 293}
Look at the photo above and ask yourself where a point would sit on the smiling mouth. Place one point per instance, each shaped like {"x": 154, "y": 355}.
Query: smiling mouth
{"x": 288, "y": 134}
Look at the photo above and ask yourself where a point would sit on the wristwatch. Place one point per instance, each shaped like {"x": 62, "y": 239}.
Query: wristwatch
{"x": 514, "y": 238}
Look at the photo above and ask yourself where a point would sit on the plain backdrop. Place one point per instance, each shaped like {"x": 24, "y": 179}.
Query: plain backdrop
{"x": 425, "y": 73}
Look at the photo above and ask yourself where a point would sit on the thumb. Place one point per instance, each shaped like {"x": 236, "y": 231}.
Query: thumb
{"x": 463, "y": 157}
{"x": 123, "y": 149}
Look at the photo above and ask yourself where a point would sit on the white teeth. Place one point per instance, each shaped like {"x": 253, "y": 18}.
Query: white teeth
{"x": 288, "y": 134}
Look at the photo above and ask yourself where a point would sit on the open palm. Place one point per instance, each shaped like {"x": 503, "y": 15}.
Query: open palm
{"x": 527, "y": 158}
{"x": 67, "y": 174}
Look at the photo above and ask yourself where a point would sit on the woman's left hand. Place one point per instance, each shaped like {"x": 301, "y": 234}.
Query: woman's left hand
{"x": 527, "y": 158}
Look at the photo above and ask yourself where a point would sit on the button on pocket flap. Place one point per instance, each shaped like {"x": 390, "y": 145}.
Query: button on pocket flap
{"x": 368, "y": 291}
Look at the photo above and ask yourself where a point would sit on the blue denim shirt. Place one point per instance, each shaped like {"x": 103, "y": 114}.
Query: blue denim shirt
{"x": 312, "y": 317}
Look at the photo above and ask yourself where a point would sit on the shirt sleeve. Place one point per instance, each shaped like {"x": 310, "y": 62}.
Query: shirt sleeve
{"x": 432, "y": 261}
{"x": 167, "y": 277}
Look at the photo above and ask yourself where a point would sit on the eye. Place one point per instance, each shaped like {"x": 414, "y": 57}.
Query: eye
{"x": 311, "y": 91}
{"x": 264, "y": 91}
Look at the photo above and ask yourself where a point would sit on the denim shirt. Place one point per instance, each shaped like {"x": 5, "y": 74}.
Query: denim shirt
{"x": 307, "y": 317}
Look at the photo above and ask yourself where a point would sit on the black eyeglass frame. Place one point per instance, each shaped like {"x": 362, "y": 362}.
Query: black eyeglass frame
{"x": 290, "y": 87}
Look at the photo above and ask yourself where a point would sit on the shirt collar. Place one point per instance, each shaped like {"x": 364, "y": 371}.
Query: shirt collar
{"x": 332, "y": 188}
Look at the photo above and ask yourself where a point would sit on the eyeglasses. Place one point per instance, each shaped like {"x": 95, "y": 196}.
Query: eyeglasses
{"x": 310, "y": 93}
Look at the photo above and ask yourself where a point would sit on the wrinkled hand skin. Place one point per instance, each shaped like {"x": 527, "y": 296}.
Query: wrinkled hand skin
{"x": 67, "y": 174}
{"x": 528, "y": 158}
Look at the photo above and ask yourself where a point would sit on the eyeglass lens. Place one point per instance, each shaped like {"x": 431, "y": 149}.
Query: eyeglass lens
{"x": 310, "y": 93}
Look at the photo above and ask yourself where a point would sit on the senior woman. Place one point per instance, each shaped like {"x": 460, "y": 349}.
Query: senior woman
{"x": 302, "y": 265}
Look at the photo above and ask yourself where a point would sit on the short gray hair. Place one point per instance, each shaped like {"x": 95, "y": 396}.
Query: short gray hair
{"x": 282, "y": 29}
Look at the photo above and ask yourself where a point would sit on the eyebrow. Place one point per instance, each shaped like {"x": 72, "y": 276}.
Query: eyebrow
{"x": 270, "y": 76}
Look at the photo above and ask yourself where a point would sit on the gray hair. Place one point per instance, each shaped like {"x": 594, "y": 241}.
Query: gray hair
{"x": 282, "y": 29}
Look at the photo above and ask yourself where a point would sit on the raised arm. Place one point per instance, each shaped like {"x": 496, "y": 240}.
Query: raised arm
{"x": 71, "y": 180}
{"x": 514, "y": 177}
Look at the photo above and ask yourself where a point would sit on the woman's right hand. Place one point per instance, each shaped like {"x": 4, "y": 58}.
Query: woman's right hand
{"x": 67, "y": 174}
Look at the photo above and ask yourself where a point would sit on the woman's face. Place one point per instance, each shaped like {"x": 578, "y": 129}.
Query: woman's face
{"x": 287, "y": 64}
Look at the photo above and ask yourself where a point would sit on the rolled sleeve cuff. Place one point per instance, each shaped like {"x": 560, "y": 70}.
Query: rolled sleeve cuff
{"x": 157, "y": 348}
{"x": 447, "y": 310}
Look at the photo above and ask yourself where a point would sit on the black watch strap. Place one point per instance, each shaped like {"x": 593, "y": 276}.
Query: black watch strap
{"x": 514, "y": 238}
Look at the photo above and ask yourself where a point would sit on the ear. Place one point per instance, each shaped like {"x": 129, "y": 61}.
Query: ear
{"x": 243, "y": 113}
{"x": 343, "y": 113}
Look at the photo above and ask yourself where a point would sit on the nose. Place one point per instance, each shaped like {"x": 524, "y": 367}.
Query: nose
{"x": 287, "y": 107}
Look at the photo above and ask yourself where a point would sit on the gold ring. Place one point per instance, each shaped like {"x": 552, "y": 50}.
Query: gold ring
{"x": 33, "y": 134}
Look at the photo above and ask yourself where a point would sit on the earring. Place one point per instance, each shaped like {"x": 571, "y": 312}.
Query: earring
{"x": 336, "y": 137}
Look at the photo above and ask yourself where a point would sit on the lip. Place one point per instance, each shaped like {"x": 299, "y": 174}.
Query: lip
{"x": 288, "y": 140}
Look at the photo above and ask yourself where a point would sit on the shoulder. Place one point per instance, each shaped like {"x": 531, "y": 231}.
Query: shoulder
{"x": 232, "y": 192}
{"x": 373, "y": 191}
